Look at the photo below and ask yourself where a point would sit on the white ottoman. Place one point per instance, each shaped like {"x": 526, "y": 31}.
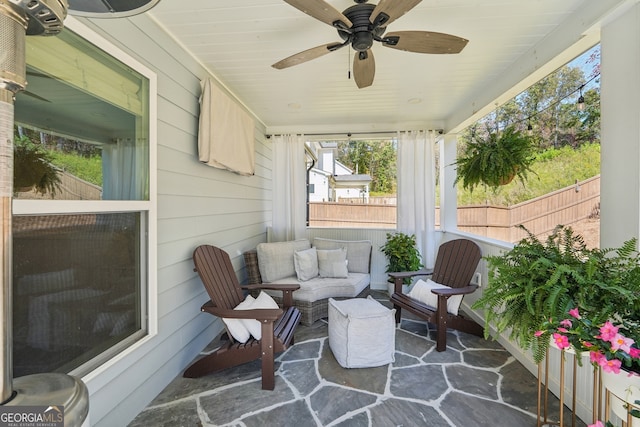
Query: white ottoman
{"x": 361, "y": 332}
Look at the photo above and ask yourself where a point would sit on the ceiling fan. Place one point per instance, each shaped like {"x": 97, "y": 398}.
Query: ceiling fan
{"x": 362, "y": 24}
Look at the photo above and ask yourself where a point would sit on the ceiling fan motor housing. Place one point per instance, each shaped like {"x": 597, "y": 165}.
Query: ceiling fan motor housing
{"x": 362, "y": 33}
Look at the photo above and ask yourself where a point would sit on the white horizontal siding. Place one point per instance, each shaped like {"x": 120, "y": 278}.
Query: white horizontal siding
{"x": 196, "y": 204}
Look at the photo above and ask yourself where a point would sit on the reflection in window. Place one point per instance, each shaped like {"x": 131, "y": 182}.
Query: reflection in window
{"x": 89, "y": 111}
{"x": 75, "y": 288}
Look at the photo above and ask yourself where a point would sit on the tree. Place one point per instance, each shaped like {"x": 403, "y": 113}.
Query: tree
{"x": 375, "y": 158}
{"x": 548, "y": 110}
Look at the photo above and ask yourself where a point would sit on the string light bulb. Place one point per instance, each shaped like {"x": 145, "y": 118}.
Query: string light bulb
{"x": 581, "y": 100}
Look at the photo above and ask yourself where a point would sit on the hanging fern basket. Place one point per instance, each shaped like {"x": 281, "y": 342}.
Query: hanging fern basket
{"x": 495, "y": 160}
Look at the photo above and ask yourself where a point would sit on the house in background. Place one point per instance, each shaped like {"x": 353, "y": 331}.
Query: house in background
{"x": 330, "y": 180}
{"x": 182, "y": 203}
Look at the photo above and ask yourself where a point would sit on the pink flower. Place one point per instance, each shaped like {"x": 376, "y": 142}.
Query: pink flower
{"x": 612, "y": 366}
{"x": 620, "y": 342}
{"x": 587, "y": 344}
{"x": 563, "y": 330}
{"x": 561, "y": 341}
{"x": 596, "y": 357}
{"x": 634, "y": 352}
{"x": 597, "y": 424}
{"x": 539, "y": 333}
{"x": 608, "y": 331}
{"x": 566, "y": 323}
{"x": 575, "y": 313}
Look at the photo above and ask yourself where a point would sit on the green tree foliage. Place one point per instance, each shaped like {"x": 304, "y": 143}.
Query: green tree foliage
{"x": 549, "y": 109}
{"x": 375, "y": 158}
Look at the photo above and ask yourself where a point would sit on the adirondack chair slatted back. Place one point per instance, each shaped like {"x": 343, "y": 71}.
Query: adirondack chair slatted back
{"x": 456, "y": 263}
{"x": 216, "y": 272}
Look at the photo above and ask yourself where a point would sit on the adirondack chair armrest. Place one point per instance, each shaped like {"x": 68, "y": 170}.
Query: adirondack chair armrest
{"x": 274, "y": 287}
{"x": 405, "y": 274}
{"x": 287, "y": 290}
{"x": 267, "y": 314}
{"x": 455, "y": 291}
{"x": 399, "y": 276}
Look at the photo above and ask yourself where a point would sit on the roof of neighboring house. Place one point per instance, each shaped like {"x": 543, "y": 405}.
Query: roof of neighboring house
{"x": 351, "y": 180}
{"x": 320, "y": 172}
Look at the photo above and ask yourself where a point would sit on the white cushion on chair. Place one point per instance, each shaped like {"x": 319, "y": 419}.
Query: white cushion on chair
{"x": 262, "y": 301}
{"x": 236, "y": 327}
{"x": 421, "y": 291}
{"x": 361, "y": 332}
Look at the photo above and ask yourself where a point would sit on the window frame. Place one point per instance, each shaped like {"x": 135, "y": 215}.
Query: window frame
{"x": 146, "y": 208}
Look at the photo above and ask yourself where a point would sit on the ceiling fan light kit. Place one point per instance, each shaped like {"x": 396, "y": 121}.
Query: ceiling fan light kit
{"x": 362, "y": 24}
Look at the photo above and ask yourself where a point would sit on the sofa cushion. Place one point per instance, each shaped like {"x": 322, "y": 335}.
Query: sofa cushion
{"x": 306, "y": 264}
{"x": 325, "y": 287}
{"x": 332, "y": 263}
{"x": 46, "y": 282}
{"x": 275, "y": 260}
{"x": 358, "y": 252}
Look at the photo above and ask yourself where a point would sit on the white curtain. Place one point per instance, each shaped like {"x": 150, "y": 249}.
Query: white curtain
{"x": 416, "y": 190}
{"x": 289, "y": 186}
{"x": 125, "y": 170}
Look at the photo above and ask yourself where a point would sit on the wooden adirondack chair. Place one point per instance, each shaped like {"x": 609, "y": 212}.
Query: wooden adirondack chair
{"x": 216, "y": 271}
{"x": 455, "y": 266}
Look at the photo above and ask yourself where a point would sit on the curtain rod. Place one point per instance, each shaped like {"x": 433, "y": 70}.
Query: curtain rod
{"x": 350, "y": 134}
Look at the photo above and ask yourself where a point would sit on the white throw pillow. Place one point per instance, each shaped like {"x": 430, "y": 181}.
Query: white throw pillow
{"x": 421, "y": 291}
{"x": 263, "y": 301}
{"x": 333, "y": 263}
{"x": 236, "y": 327}
{"x": 306, "y": 264}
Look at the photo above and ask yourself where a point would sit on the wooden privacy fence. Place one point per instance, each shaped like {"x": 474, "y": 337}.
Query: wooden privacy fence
{"x": 540, "y": 215}
{"x": 71, "y": 188}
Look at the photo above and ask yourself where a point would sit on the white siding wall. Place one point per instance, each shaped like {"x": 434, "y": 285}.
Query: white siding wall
{"x": 196, "y": 204}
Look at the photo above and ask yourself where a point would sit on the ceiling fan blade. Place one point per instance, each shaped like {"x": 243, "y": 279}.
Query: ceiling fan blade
{"x": 322, "y": 11}
{"x": 307, "y": 55}
{"x": 424, "y": 42}
{"x": 388, "y": 11}
{"x": 364, "y": 68}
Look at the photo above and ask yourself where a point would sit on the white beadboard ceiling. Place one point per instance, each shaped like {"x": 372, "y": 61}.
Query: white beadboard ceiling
{"x": 512, "y": 43}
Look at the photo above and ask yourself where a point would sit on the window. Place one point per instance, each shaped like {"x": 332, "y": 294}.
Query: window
{"x": 352, "y": 183}
{"x": 81, "y": 225}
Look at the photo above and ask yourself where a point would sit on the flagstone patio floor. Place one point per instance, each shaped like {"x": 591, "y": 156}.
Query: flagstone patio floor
{"x": 475, "y": 382}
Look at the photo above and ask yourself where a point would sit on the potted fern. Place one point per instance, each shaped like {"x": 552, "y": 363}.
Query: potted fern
{"x": 495, "y": 160}
{"x": 33, "y": 168}
{"x": 541, "y": 280}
